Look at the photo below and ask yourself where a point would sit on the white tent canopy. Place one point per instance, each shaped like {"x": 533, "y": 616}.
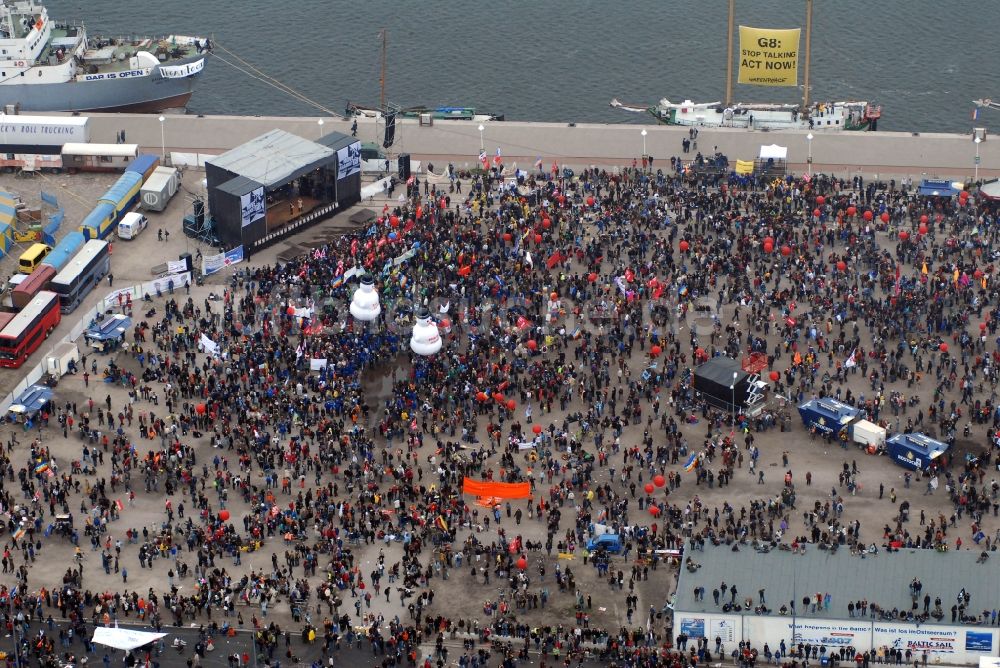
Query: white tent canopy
{"x": 774, "y": 151}
{"x": 125, "y": 639}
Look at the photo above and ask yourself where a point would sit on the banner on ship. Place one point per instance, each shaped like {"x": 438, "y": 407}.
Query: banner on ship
{"x": 769, "y": 57}
{"x": 181, "y": 71}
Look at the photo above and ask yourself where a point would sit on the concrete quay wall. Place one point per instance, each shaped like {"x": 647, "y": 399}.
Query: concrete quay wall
{"x": 882, "y": 154}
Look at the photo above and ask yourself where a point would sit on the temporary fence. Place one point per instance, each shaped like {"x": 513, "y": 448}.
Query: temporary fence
{"x": 111, "y": 301}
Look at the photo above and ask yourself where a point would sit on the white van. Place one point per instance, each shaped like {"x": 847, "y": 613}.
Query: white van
{"x": 132, "y": 225}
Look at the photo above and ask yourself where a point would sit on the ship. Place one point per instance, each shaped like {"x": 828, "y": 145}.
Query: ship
{"x": 845, "y": 115}
{"x": 46, "y": 65}
{"x": 833, "y": 116}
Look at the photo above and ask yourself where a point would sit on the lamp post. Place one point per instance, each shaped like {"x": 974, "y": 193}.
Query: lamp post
{"x": 482, "y": 144}
{"x": 977, "y": 140}
{"x": 732, "y": 388}
{"x": 163, "y": 142}
{"x": 809, "y": 159}
{"x": 643, "y": 133}
{"x": 320, "y": 123}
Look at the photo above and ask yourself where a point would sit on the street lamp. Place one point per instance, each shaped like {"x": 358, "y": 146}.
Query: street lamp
{"x": 320, "y": 122}
{"x": 643, "y": 133}
{"x": 482, "y": 145}
{"x": 809, "y": 138}
{"x": 977, "y": 140}
{"x": 163, "y": 143}
{"x": 732, "y": 388}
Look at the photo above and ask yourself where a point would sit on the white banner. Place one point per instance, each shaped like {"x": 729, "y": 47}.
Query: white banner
{"x": 181, "y": 71}
{"x": 349, "y": 160}
{"x": 176, "y": 267}
{"x": 315, "y": 364}
{"x": 163, "y": 284}
{"x": 208, "y": 345}
{"x": 212, "y": 263}
{"x": 253, "y": 206}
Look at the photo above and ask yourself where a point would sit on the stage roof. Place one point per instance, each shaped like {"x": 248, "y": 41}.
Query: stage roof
{"x": 274, "y": 158}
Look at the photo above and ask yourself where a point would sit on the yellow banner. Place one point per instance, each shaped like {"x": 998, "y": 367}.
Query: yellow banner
{"x": 769, "y": 57}
{"x": 744, "y": 167}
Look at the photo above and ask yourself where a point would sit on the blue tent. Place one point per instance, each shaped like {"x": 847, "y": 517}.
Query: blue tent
{"x": 937, "y": 188}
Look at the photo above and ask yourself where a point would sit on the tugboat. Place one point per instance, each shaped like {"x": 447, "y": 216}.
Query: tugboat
{"x": 850, "y": 115}
{"x": 50, "y": 66}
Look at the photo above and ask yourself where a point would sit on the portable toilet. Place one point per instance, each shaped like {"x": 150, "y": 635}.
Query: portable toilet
{"x": 827, "y": 416}
{"x": 917, "y": 451}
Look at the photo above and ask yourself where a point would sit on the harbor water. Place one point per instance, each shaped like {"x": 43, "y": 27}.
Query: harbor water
{"x": 564, "y": 60}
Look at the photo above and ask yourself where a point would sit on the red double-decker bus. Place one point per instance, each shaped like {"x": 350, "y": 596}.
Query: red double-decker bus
{"x": 28, "y": 328}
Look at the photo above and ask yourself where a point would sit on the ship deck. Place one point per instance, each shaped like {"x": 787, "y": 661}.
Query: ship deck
{"x": 113, "y": 54}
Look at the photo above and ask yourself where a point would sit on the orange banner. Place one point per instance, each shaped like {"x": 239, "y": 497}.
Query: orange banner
{"x": 503, "y": 490}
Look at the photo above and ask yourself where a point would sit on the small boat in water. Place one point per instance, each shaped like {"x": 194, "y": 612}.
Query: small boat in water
{"x": 437, "y": 113}
{"x": 848, "y": 115}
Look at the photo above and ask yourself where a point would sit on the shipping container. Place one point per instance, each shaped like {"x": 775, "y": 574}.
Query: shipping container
{"x": 159, "y": 188}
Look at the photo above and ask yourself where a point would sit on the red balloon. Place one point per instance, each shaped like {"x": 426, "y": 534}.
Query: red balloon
{"x": 482, "y": 396}
{"x": 654, "y": 511}
{"x": 537, "y": 429}
{"x": 775, "y": 376}
{"x": 943, "y": 347}
{"x": 867, "y": 215}
{"x": 553, "y": 296}
{"x": 511, "y": 404}
{"x": 903, "y": 235}
{"x": 394, "y": 220}
{"x": 590, "y": 201}
{"x": 538, "y": 238}
{"x": 852, "y": 210}
{"x": 922, "y": 229}
{"x": 982, "y": 327}
{"x": 649, "y": 488}
{"x": 768, "y": 246}
{"x": 655, "y": 351}
{"x": 522, "y": 563}
{"x": 820, "y": 200}
{"x": 659, "y": 480}
{"x": 224, "y": 515}
{"x": 547, "y": 223}
{"x": 507, "y": 236}
{"x": 200, "y": 409}
{"x": 786, "y": 250}
{"x": 816, "y": 213}
{"x": 924, "y": 218}
{"x": 498, "y": 397}
{"x": 532, "y": 345}
{"x": 592, "y": 277}
{"x": 841, "y": 265}
{"x": 684, "y": 245}
{"x": 768, "y": 240}
{"x": 884, "y": 217}
{"x": 963, "y": 195}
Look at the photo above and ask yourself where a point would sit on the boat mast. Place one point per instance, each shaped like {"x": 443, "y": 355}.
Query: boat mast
{"x": 805, "y": 81}
{"x": 729, "y": 54}
{"x": 381, "y": 79}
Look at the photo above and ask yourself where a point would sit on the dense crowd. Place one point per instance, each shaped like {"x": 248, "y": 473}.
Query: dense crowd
{"x": 567, "y": 364}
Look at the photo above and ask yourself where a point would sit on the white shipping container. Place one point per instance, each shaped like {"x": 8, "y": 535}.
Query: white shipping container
{"x": 19, "y": 130}
{"x": 159, "y": 188}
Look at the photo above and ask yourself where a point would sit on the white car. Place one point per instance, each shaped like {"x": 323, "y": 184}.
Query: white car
{"x": 132, "y": 225}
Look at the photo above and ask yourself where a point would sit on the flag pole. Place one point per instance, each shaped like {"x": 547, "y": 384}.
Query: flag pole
{"x": 729, "y": 54}
{"x": 805, "y": 81}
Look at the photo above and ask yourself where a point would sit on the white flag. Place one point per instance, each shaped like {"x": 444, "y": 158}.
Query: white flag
{"x": 851, "y": 361}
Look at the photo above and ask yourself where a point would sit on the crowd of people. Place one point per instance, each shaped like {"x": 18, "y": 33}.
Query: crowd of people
{"x": 266, "y": 419}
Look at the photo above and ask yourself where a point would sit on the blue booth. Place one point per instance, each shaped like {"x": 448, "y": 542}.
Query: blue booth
{"x": 35, "y": 399}
{"x": 827, "y": 416}
{"x": 917, "y": 451}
